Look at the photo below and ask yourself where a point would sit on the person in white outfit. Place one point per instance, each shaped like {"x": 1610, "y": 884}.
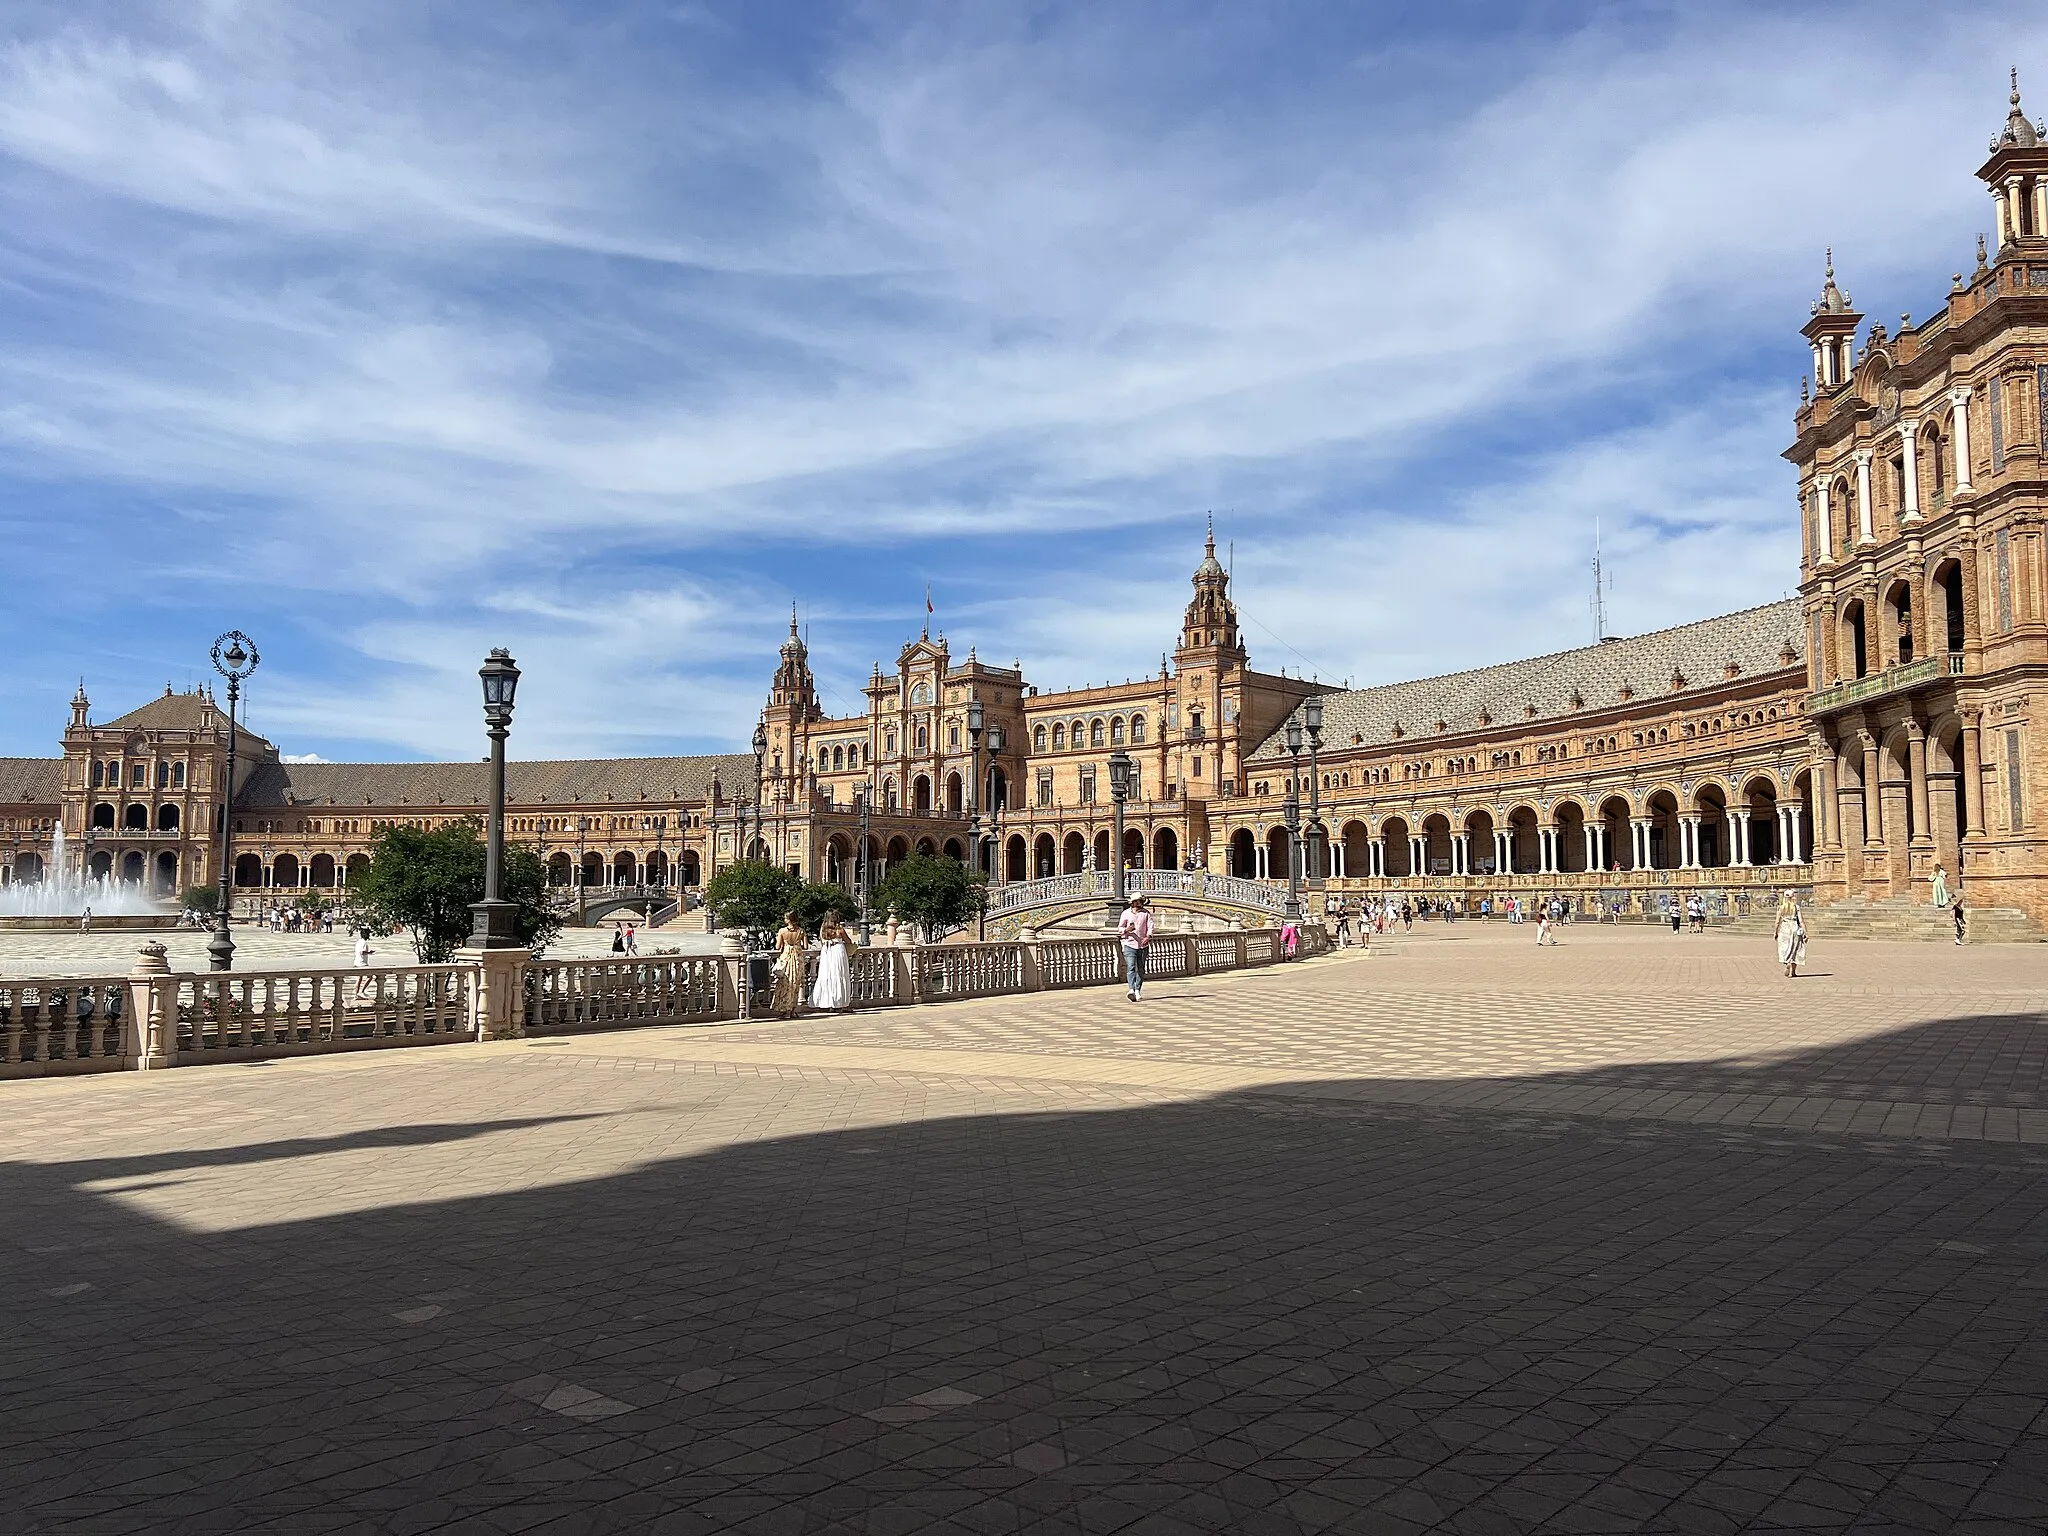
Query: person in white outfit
{"x": 832, "y": 992}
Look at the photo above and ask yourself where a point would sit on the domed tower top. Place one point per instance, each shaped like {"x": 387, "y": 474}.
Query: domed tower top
{"x": 1211, "y": 619}
{"x": 2017, "y": 174}
{"x": 793, "y": 682}
{"x": 80, "y": 706}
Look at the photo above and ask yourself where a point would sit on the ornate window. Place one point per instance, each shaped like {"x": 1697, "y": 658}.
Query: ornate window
{"x": 889, "y": 743}
{"x": 1095, "y": 732}
{"x": 1116, "y": 731}
{"x": 1137, "y": 730}
{"x": 1059, "y": 737}
{"x": 924, "y": 739}
{"x": 177, "y": 775}
{"x": 1038, "y": 738}
{"x": 921, "y": 694}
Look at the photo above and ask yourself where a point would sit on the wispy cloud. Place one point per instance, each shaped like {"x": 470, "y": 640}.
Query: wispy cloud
{"x": 418, "y": 329}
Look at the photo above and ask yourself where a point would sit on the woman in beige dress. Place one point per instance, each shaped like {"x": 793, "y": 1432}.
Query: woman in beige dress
{"x": 792, "y": 945}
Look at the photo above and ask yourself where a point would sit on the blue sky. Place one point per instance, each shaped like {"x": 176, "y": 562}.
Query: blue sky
{"x": 389, "y": 332}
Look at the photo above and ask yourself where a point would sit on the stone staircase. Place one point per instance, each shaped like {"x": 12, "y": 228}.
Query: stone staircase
{"x": 1898, "y": 918}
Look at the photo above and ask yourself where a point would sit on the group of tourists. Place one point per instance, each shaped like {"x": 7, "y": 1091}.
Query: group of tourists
{"x": 298, "y": 920}
{"x": 626, "y": 939}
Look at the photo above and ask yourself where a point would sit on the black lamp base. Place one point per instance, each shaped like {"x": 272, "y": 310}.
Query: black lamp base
{"x": 494, "y": 925}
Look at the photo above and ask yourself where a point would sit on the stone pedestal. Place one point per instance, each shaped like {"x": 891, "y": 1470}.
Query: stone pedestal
{"x": 149, "y": 1032}
{"x": 497, "y": 1008}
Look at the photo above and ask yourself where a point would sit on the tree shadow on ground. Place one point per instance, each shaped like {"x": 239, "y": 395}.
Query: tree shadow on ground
{"x": 1264, "y": 1312}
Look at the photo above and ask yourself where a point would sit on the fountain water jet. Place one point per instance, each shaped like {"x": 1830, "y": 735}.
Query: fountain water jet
{"x": 67, "y": 892}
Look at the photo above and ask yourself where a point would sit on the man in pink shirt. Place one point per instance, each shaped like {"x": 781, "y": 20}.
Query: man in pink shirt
{"x": 1134, "y": 931}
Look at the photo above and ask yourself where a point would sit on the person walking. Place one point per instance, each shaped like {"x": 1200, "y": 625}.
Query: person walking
{"x": 632, "y": 940}
{"x": 833, "y": 990}
{"x": 1543, "y": 926}
{"x": 363, "y": 953}
{"x": 1956, "y": 911}
{"x": 1342, "y": 919}
{"x": 1134, "y": 932}
{"x": 792, "y": 945}
{"x": 1407, "y": 917}
{"x": 618, "y": 941}
{"x": 1791, "y": 934}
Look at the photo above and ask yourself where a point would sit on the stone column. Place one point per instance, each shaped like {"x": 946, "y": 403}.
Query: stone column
{"x": 1909, "y": 465}
{"x": 1418, "y": 850}
{"x": 497, "y": 1005}
{"x": 1873, "y": 798}
{"x": 1866, "y": 532}
{"x": 1819, "y": 376}
{"x": 1973, "y": 777}
{"x": 1916, "y": 772}
{"x": 1960, "y": 399}
{"x": 1796, "y": 847}
{"x": 149, "y": 1030}
{"x": 1461, "y": 853}
{"x": 1503, "y": 852}
{"x": 1784, "y": 849}
{"x": 1738, "y": 838}
{"x": 2001, "y": 216}
{"x": 1592, "y": 832}
{"x": 1825, "y": 520}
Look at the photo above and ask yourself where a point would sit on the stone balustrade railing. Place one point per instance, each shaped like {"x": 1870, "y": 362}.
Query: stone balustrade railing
{"x": 154, "y": 1017}
{"x": 1019, "y": 895}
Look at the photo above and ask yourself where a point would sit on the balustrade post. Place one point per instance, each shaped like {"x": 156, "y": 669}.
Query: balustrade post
{"x": 1034, "y": 968}
{"x": 497, "y": 999}
{"x": 148, "y": 1029}
{"x": 732, "y": 974}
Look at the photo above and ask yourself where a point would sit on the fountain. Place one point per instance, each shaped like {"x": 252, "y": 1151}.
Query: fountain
{"x": 61, "y": 897}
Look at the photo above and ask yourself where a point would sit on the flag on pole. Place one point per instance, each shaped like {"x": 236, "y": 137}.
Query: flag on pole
{"x": 928, "y": 599}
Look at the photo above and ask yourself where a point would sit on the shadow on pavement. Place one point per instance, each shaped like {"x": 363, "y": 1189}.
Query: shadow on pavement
{"x": 1257, "y": 1313}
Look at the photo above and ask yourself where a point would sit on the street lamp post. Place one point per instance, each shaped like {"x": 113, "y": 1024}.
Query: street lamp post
{"x": 495, "y": 921}
{"x": 1119, "y": 791}
{"x": 234, "y": 658}
{"x": 1292, "y": 911}
{"x": 976, "y": 720}
{"x": 760, "y": 756}
{"x": 863, "y": 796}
{"x": 1318, "y": 834}
{"x": 582, "y": 912}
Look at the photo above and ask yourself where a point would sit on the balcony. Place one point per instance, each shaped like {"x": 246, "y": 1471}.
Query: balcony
{"x": 1862, "y": 690}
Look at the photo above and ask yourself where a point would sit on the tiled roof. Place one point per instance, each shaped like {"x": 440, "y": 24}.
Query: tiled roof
{"x": 178, "y": 712}
{"x": 596, "y": 780}
{"x": 1757, "y": 641}
{"x": 39, "y": 780}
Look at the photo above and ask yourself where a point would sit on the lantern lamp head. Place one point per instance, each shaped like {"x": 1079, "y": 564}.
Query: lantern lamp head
{"x": 1293, "y": 735}
{"x": 500, "y": 675}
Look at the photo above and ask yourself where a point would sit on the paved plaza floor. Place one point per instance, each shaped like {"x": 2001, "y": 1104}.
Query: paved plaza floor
{"x": 111, "y": 951}
{"x": 1628, "y": 1235}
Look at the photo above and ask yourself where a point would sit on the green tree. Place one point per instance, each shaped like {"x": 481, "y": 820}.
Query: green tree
{"x": 819, "y": 899}
{"x": 752, "y": 894}
{"x": 427, "y": 878}
{"x": 936, "y": 894}
{"x": 203, "y": 899}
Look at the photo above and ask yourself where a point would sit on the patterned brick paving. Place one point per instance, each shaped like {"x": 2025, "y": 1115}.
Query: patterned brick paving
{"x": 1630, "y": 1235}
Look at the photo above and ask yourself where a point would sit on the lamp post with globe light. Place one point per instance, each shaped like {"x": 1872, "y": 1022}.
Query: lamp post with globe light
{"x": 234, "y": 658}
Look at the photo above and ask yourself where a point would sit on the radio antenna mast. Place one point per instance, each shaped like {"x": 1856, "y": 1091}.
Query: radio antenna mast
{"x": 1603, "y": 587}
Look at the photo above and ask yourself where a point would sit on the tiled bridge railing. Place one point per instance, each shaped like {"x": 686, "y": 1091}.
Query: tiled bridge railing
{"x": 156, "y": 1018}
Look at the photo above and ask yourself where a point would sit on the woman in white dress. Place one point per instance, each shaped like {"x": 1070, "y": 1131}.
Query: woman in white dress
{"x": 1791, "y": 934}
{"x": 833, "y": 990}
